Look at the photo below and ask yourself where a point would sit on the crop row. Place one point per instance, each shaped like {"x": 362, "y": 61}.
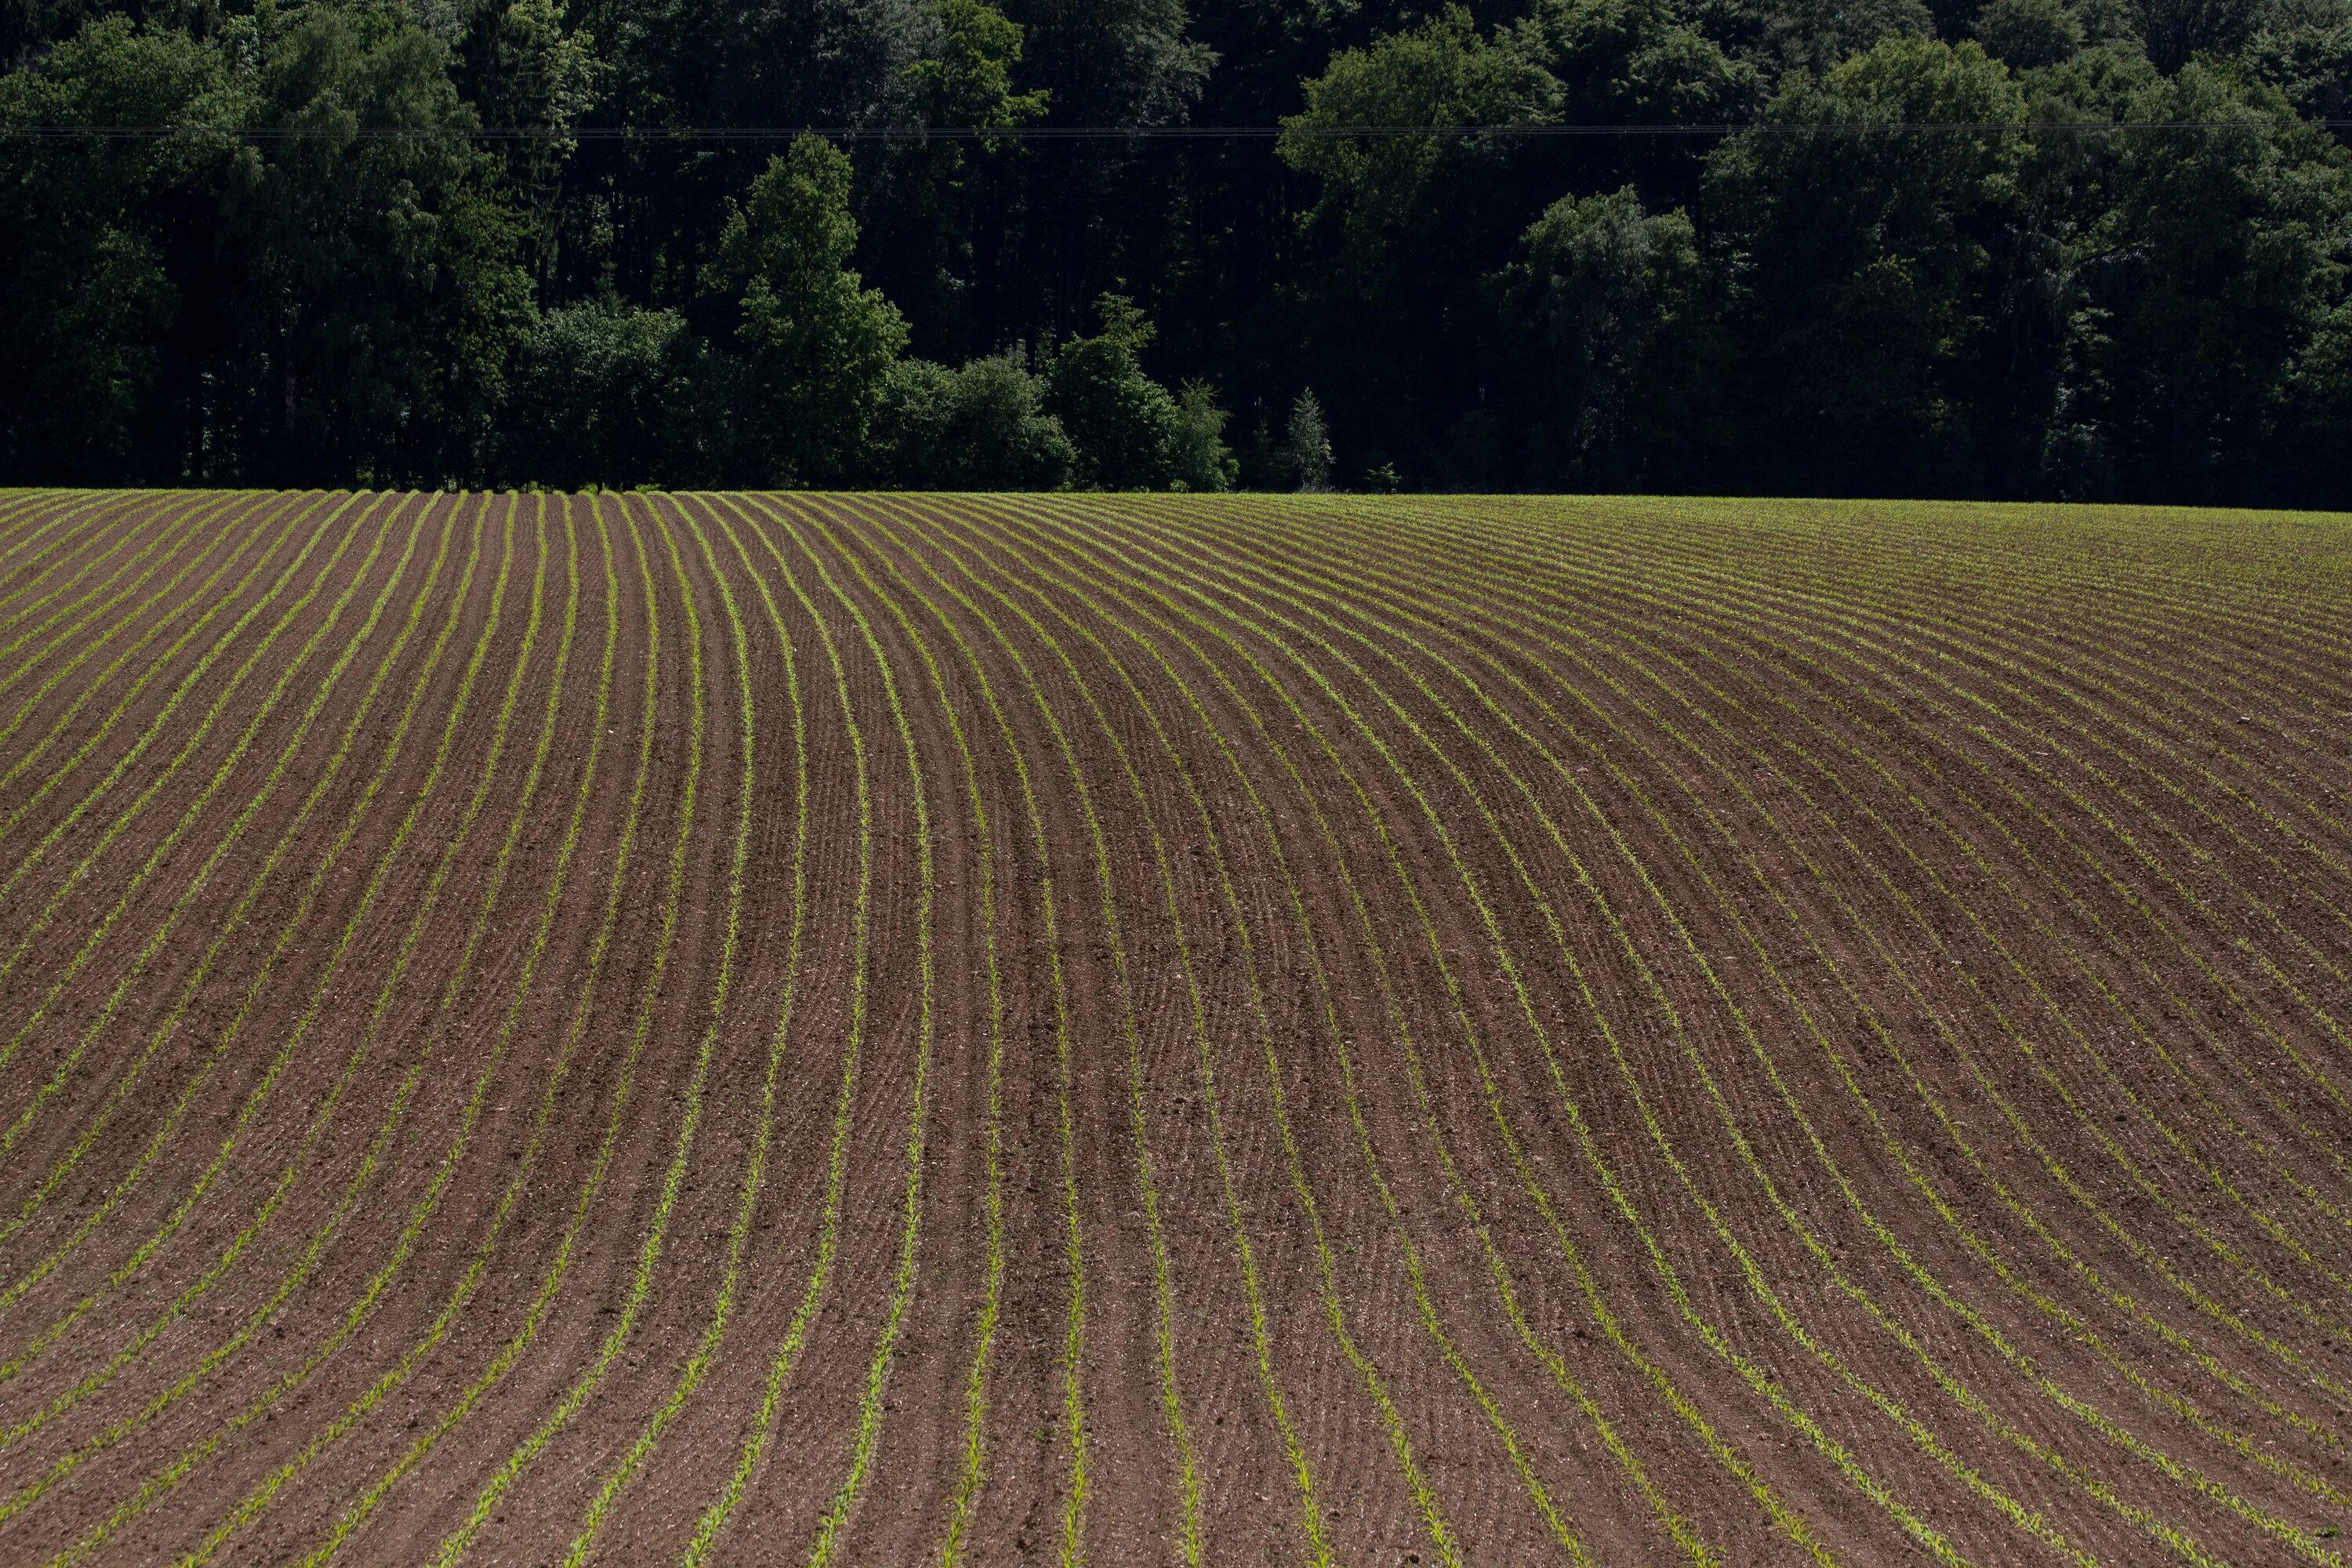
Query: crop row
{"x": 854, "y": 1028}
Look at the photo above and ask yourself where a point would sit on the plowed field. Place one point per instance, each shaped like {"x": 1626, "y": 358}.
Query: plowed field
{"x": 1213, "y": 1030}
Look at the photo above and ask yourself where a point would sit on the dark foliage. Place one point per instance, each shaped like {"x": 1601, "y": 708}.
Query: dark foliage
{"x": 1827, "y": 298}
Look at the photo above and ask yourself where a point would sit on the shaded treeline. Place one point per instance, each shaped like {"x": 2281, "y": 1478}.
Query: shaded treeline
{"x": 1832, "y": 299}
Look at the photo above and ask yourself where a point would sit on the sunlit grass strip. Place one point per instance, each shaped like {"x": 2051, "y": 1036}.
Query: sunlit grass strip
{"x": 468, "y": 1115}
{"x": 1376, "y": 1386}
{"x": 2157, "y": 1459}
{"x": 552, "y": 1282}
{"x": 706, "y": 1351}
{"x": 585, "y": 1386}
{"x": 1785, "y": 1519}
{"x": 1188, "y": 1478}
{"x": 182, "y": 604}
{"x": 181, "y": 1212}
{"x": 902, "y": 1286}
{"x": 162, "y": 1483}
{"x": 974, "y": 1469}
{"x": 1074, "y": 1422}
{"x": 169, "y": 841}
{"x": 180, "y": 692}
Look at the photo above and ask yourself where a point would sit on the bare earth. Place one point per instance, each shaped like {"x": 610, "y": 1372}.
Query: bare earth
{"x": 894, "y": 1029}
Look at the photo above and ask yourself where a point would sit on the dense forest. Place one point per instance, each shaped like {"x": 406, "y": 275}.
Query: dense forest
{"x": 2020, "y": 248}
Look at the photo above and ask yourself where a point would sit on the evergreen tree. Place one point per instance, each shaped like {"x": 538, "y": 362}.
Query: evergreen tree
{"x": 1198, "y": 458}
{"x": 1306, "y": 444}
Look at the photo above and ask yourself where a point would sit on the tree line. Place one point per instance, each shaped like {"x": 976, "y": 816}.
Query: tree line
{"x": 2004, "y": 248}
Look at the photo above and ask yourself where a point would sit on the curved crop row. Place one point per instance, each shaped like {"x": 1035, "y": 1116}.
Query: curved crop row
{"x": 821, "y": 1029}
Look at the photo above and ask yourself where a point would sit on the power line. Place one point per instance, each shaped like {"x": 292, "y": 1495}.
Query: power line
{"x": 721, "y": 133}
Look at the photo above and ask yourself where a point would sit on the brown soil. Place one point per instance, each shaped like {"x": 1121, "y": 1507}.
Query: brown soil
{"x": 1439, "y": 1030}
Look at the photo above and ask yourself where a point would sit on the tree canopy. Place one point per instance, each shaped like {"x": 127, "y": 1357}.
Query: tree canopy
{"x": 2029, "y": 249}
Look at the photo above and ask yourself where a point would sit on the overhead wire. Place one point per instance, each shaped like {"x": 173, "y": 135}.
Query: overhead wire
{"x": 692, "y": 133}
